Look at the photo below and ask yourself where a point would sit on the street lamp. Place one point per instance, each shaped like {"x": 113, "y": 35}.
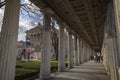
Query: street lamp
{"x": 26, "y": 47}
{"x": 27, "y": 42}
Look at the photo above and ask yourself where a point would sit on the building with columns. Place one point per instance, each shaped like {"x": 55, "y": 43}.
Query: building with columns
{"x": 94, "y": 25}
{"x": 35, "y": 37}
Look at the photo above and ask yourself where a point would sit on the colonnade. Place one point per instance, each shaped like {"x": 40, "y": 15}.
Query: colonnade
{"x": 8, "y": 44}
{"x": 110, "y": 47}
{"x": 77, "y": 49}
{"x": 8, "y": 40}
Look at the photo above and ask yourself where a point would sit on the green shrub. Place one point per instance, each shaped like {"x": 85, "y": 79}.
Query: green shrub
{"x": 53, "y": 59}
{"x": 35, "y": 65}
{"x": 31, "y": 68}
{"x": 25, "y": 73}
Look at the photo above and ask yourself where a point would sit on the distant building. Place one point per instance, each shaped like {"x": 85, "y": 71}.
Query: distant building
{"x": 21, "y": 44}
{"x": 35, "y": 36}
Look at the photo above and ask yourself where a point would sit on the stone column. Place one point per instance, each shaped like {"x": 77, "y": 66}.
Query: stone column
{"x": 61, "y": 55}
{"x": 87, "y": 52}
{"x": 112, "y": 35}
{"x": 106, "y": 53}
{"x": 91, "y": 50}
{"x": 8, "y": 42}
{"x": 116, "y": 15}
{"x": 115, "y": 6}
{"x": 112, "y": 60}
{"x": 46, "y": 47}
{"x": 78, "y": 51}
{"x": 75, "y": 52}
{"x": 82, "y": 56}
{"x": 65, "y": 43}
{"x": 83, "y": 52}
{"x": 90, "y": 53}
{"x": 70, "y": 57}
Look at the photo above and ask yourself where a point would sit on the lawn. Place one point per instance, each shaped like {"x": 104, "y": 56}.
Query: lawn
{"x": 31, "y": 68}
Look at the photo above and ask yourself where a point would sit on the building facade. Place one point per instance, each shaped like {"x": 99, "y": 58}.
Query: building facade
{"x": 35, "y": 37}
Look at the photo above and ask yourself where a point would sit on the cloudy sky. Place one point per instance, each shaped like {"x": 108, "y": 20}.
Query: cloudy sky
{"x": 25, "y": 21}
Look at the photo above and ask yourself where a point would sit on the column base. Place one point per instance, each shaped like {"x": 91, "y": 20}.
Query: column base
{"x": 70, "y": 66}
{"x": 44, "y": 78}
{"x": 77, "y": 64}
{"x": 61, "y": 70}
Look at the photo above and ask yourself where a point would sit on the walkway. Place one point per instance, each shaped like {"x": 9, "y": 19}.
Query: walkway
{"x": 87, "y": 71}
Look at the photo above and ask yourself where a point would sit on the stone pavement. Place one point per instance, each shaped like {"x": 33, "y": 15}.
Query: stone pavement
{"x": 88, "y": 71}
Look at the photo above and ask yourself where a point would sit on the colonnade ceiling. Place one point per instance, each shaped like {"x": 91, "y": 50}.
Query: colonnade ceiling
{"x": 85, "y": 17}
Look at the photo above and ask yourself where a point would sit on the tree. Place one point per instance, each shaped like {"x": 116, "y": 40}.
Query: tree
{"x": 2, "y": 4}
{"x": 54, "y": 37}
{"x": 26, "y": 8}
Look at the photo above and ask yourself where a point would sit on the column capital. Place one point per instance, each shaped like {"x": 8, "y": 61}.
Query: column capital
{"x": 75, "y": 34}
{"x": 47, "y": 11}
{"x": 70, "y": 31}
{"x": 60, "y": 23}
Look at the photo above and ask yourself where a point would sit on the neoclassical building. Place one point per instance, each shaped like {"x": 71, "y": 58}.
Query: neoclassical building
{"x": 35, "y": 37}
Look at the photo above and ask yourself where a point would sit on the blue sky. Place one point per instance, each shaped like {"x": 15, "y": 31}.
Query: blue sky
{"x": 25, "y": 21}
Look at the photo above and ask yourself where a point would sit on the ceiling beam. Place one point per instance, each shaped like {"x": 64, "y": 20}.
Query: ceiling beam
{"x": 89, "y": 9}
{"x": 72, "y": 12}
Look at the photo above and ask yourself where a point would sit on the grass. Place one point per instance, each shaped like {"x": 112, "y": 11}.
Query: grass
{"x": 32, "y": 68}
{"x": 35, "y": 65}
{"x": 25, "y": 73}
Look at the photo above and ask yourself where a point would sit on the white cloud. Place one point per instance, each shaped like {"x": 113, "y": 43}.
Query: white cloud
{"x": 1, "y": 11}
{"x": 21, "y": 36}
{"x": 27, "y": 1}
{"x": 24, "y": 23}
{"x": 1, "y": 17}
{"x": 2, "y": 0}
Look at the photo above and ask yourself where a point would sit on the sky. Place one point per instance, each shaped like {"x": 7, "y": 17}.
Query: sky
{"x": 25, "y": 21}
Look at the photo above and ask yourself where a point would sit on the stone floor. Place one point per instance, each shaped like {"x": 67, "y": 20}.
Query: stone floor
{"x": 88, "y": 71}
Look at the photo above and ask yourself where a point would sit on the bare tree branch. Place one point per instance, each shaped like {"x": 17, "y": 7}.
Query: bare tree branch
{"x": 2, "y": 4}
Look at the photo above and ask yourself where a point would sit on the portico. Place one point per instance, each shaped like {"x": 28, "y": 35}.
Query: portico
{"x": 92, "y": 26}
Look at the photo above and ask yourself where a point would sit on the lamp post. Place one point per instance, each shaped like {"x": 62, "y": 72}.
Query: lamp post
{"x": 26, "y": 47}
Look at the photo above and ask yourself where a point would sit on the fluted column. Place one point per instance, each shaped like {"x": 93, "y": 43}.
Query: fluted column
{"x": 70, "y": 57}
{"x": 46, "y": 47}
{"x": 61, "y": 53}
{"x": 112, "y": 35}
{"x": 82, "y": 55}
{"x": 8, "y": 42}
{"x": 87, "y": 52}
{"x": 78, "y": 51}
{"x": 112, "y": 60}
{"x": 115, "y": 6}
{"x": 75, "y": 52}
{"x": 83, "y": 52}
